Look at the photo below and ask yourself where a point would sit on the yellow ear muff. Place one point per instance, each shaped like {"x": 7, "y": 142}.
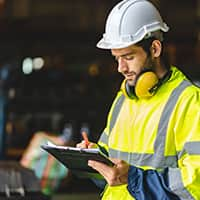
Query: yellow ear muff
{"x": 146, "y": 84}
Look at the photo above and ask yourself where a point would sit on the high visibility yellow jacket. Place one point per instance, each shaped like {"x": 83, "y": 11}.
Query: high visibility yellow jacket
{"x": 158, "y": 133}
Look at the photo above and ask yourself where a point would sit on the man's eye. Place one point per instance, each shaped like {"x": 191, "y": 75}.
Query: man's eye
{"x": 129, "y": 57}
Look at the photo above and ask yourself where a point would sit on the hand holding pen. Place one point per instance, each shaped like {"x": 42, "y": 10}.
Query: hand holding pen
{"x": 85, "y": 143}
{"x": 85, "y": 138}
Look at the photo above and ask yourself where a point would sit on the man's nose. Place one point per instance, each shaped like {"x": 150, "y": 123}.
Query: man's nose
{"x": 122, "y": 65}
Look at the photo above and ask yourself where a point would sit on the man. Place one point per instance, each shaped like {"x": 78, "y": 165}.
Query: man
{"x": 153, "y": 128}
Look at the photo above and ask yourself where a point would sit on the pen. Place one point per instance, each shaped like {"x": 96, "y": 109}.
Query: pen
{"x": 85, "y": 137}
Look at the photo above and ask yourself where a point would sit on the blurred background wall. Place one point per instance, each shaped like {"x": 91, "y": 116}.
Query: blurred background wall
{"x": 51, "y": 73}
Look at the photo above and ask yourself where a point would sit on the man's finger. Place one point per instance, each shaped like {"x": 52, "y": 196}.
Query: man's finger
{"x": 102, "y": 168}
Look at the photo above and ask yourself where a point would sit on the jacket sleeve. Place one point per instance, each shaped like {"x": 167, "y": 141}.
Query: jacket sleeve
{"x": 149, "y": 184}
{"x": 185, "y": 179}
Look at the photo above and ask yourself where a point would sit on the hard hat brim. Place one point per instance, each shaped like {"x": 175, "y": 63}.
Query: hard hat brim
{"x": 107, "y": 44}
{"x": 102, "y": 44}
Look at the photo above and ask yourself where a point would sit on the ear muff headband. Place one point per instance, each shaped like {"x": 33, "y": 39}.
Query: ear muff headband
{"x": 124, "y": 88}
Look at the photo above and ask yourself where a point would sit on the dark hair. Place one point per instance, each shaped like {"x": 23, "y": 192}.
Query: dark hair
{"x": 146, "y": 45}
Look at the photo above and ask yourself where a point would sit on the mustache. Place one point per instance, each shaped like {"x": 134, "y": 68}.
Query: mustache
{"x": 129, "y": 73}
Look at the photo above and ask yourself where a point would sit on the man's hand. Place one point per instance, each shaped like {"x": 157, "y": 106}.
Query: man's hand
{"x": 83, "y": 144}
{"x": 116, "y": 175}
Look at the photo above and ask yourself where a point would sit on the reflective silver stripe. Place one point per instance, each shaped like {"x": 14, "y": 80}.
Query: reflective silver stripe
{"x": 140, "y": 159}
{"x": 159, "y": 145}
{"x": 104, "y": 138}
{"x": 192, "y": 148}
{"x": 116, "y": 110}
{"x": 176, "y": 184}
{"x": 115, "y": 113}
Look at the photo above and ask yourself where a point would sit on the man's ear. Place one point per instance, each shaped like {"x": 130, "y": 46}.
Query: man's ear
{"x": 156, "y": 48}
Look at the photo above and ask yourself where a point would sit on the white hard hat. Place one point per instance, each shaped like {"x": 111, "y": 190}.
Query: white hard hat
{"x": 129, "y": 22}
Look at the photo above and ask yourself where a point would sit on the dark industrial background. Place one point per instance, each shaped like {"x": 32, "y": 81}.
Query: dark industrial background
{"x": 78, "y": 81}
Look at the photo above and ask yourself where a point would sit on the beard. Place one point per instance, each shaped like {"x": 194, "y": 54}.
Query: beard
{"x": 148, "y": 65}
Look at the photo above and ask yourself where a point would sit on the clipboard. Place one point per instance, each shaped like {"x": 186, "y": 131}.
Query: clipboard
{"x": 76, "y": 159}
